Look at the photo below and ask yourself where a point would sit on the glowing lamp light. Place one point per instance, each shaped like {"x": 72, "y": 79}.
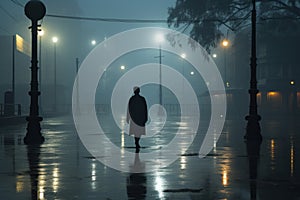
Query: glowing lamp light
{"x": 273, "y": 93}
{"x": 225, "y": 43}
{"x": 41, "y": 32}
{"x": 159, "y": 38}
{"x": 54, "y": 39}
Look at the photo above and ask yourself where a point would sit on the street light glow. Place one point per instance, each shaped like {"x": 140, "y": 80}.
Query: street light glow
{"x": 54, "y": 39}
{"x": 225, "y": 43}
{"x": 122, "y": 67}
{"x": 93, "y": 42}
{"x": 192, "y": 73}
{"x": 214, "y": 55}
{"x": 41, "y": 32}
{"x": 159, "y": 38}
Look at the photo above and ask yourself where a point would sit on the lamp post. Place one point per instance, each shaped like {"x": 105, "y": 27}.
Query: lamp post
{"x": 160, "y": 39}
{"x": 225, "y": 44}
{"x": 77, "y": 84}
{"x": 54, "y": 40}
{"x": 34, "y": 10}
{"x": 183, "y": 56}
{"x": 40, "y": 34}
{"x": 253, "y": 126}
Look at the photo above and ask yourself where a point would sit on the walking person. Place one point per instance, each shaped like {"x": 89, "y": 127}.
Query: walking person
{"x": 137, "y": 116}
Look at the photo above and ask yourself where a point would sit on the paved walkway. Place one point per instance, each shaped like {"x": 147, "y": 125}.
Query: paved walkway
{"x": 62, "y": 168}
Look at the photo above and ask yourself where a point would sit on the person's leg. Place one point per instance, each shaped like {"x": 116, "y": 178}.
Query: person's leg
{"x": 137, "y": 140}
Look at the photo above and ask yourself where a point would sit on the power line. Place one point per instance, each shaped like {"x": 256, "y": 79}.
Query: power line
{"x": 109, "y": 19}
{"x": 8, "y": 14}
{"x": 124, "y": 20}
{"x": 17, "y": 3}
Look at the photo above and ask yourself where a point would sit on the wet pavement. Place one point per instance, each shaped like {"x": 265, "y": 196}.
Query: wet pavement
{"x": 62, "y": 168}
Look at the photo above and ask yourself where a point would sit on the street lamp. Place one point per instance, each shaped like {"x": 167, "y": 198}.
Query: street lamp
{"x": 292, "y": 82}
{"x": 54, "y": 40}
{"x": 34, "y": 10}
{"x": 41, "y": 32}
{"x": 160, "y": 39}
{"x": 253, "y": 126}
{"x": 183, "y": 57}
{"x": 225, "y": 43}
{"x": 93, "y": 42}
{"x": 122, "y": 67}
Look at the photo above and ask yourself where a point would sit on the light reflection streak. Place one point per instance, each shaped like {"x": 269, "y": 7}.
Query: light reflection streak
{"x": 55, "y": 182}
{"x": 215, "y": 143}
{"x": 123, "y": 124}
{"x": 122, "y": 139}
{"x": 41, "y": 193}
{"x": 183, "y": 162}
{"x": 94, "y": 176}
{"x": 19, "y": 184}
{"x": 41, "y": 186}
{"x": 122, "y": 144}
{"x": 272, "y": 152}
{"x": 292, "y": 157}
{"x": 226, "y": 170}
{"x": 225, "y": 178}
{"x": 159, "y": 185}
{"x": 272, "y": 149}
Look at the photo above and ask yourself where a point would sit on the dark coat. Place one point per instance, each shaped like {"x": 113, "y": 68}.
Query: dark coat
{"x": 137, "y": 114}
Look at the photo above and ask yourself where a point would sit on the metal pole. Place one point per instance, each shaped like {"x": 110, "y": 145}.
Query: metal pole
{"x": 34, "y": 10}
{"x": 253, "y": 126}
{"x": 160, "y": 77}
{"x": 55, "y": 77}
{"x": 77, "y": 84}
{"x": 40, "y": 70}
{"x": 13, "y": 72}
{"x": 225, "y": 66}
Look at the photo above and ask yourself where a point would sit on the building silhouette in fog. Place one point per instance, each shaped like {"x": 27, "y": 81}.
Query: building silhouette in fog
{"x": 14, "y": 72}
{"x": 277, "y": 72}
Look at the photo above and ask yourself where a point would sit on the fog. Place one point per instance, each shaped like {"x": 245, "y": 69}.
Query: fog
{"x": 77, "y": 23}
{"x": 74, "y": 39}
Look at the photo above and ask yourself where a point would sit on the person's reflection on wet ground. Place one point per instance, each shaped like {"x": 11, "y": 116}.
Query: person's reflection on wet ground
{"x": 33, "y": 156}
{"x": 253, "y": 150}
{"x": 137, "y": 181}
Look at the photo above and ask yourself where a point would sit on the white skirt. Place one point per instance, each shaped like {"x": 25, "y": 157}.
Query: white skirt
{"x": 136, "y": 130}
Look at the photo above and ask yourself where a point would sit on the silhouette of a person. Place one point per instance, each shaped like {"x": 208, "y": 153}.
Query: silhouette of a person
{"x": 137, "y": 116}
